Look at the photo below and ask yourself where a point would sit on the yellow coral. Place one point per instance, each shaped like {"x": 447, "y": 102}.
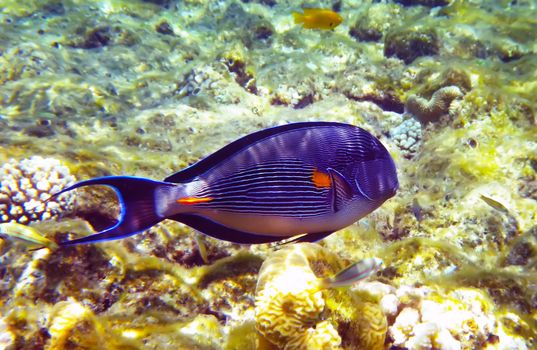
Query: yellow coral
{"x": 373, "y": 326}
{"x": 288, "y": 299}
{"x": 68, "y": 321}
{"x": 290, "y": 302}
{"x": 322, "y": 337}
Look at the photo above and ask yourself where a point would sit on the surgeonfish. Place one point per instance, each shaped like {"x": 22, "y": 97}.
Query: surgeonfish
{"x": 304, "y": 180}
{"x": 25, "y": 234}
{"x": 352, "y": 274}
{"x": 314, "y": 18}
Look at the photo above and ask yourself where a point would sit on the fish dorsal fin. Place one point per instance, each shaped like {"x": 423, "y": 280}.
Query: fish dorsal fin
{"x": 311, "y": 11}
{"x": 219, "y": 231}
{"x": 224, "y": 153}
{"x": 341, "y": 189}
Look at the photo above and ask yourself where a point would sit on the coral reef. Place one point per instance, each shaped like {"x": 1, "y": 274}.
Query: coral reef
{"x": 445, "y": 324}
{"x": 407, "y": 137}
{"x": 146, "y": 88}
{"x": 374, "y": 21}
{"x": 125, "y": 296}
{"x": 410, "y": 44}
{"x": 431, "y": 110}
{"x": 444, "y": 318}
{"x": 430, "y": 3}
{"x": 290, "y": 302}
{"x": 286, "y": 308}
{"x": 524, "y": 249}
{"x": 27, "y": 184}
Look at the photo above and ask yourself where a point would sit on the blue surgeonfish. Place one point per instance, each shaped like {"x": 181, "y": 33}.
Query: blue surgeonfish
{"x": 302, "y": 181}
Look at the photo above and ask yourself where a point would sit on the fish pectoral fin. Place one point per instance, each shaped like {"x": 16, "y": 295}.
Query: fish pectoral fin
{"x": 308, "y": 237}
{"x": 341, "y": 189}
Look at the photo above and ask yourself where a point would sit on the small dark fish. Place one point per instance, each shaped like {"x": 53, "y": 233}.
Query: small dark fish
{"x": 308, "y": 179}
{"x": 352, "y": 274}
{"x": 417, "y": 210}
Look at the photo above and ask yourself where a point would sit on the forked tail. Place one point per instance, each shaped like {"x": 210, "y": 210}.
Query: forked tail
{"x": 136, "y": 197}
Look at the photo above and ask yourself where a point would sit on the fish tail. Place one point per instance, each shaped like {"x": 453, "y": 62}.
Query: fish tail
{"x": 138, "y": 206}
{"x": 299, "y": 17}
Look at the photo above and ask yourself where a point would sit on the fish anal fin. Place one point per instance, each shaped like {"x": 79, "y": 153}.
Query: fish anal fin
{"x": 341, "y": 189}
{"x": 216, "y": 230}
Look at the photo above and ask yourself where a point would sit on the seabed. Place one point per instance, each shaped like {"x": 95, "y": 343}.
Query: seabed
{"x": 145, "y": 88}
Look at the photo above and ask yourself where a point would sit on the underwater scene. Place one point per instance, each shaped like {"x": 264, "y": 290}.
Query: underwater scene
{"x": 263, "y": 174}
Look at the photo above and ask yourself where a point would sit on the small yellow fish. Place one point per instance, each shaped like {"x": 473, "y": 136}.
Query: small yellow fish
{"x": 25, "y": 234}
{"x": 314, "y": 18}
{"x": 494, "y": 204}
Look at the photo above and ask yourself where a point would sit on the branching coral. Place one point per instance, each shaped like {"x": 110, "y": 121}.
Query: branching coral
{"x": 429, "y": 111}
{"x": 25, "y": 186}
{"x": 461, "y": 319}
{"x": 407, "y": 136}
{"x": 447, "y": 316}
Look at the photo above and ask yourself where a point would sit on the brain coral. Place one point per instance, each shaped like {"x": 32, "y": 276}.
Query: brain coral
{"x": 430, "y": 110}
{"x": 26, "y": 184}
{"x": 288, "y": 298}
{"x": 293, "y": 311}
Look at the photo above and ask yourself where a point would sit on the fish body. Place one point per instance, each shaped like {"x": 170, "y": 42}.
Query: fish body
{"x": 494, "y": 204}
{"x": 315, "y": 18}
{"x": 25, "y": 234}
{"x": 303, "y": 179}
{"x": 352, "y": 274}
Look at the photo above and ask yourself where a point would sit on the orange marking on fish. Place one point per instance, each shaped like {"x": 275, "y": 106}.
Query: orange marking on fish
{"x": 320, "y": 179}
{"x": 194, "y": 200}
